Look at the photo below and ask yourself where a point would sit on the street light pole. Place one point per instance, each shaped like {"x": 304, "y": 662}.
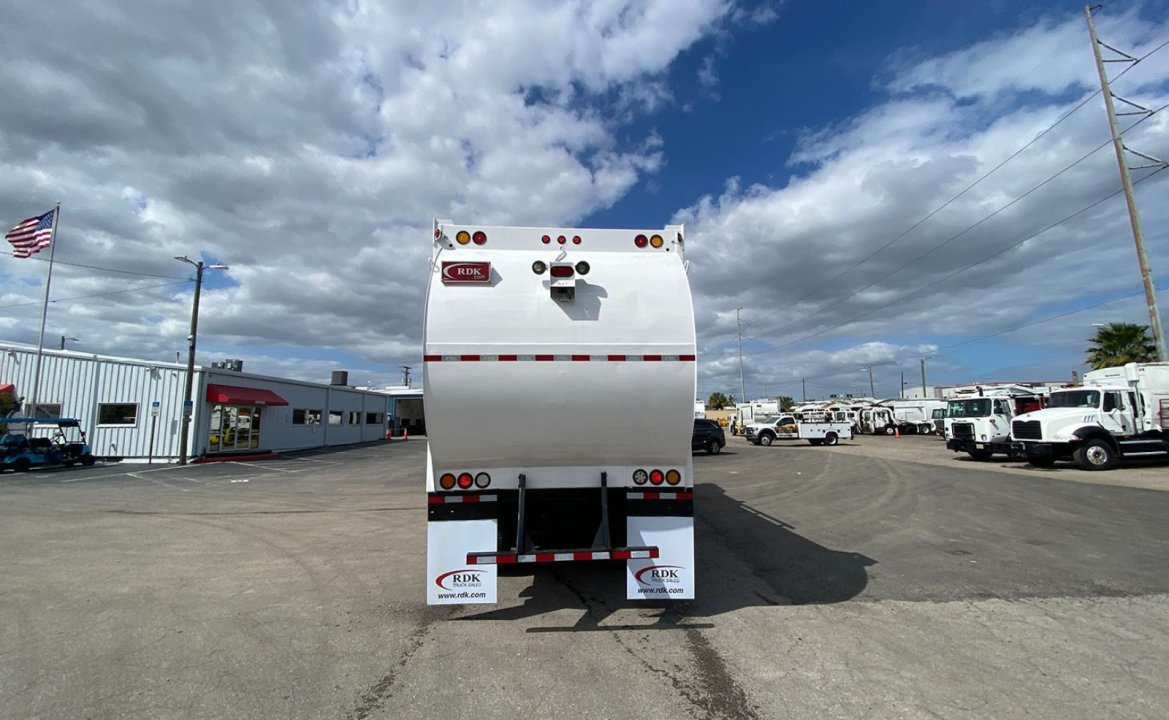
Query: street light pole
{"x": 71, "y": 339}
{"x": 742, "y": 384}
{"x": 872, "y": 388}
{"x": 188, "y": 404}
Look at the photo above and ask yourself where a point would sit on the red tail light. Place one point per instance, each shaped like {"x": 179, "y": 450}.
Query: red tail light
{"x": 561, "y": 240}
{"x": 546, "y": 239}
{"x": 576, "y": 239}
{"x": 562, "y": 271}
{"x": 656, "y": 477}
{"x": 465, "y": 480}
{"x": 479, "y": 237}
{"x": 641, "y": 241}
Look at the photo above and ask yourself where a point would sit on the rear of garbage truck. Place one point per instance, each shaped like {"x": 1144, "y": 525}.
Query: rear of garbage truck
{"x": 559, "y": 397}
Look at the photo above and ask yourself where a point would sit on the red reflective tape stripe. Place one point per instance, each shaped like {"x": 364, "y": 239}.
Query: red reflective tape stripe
{"x": 621, "y": 555}
{"x": 432, "y": 358}
{"x": 617, "y": 358}
{"x": 545, "y": 358}
{"x": 582, "y": 556}
{"x": 505, "y": 559}
{"x": 652, "y": 358}
{"x": 469, "y": 358}
{"x": 508, "y": 358}
{"x": 685, "y": 496}
{"x": 653, "y": 552}
{"x": 470, "y": 498}
{"x": 545, "y": 557}
{"x": 580, "y": 358}
{"x": 435, "y": 500}
{"x": 651, "y": 496}
{"x": 687, "y": 358}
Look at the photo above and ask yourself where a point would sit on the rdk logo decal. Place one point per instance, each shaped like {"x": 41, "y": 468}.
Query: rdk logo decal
{"x": 466, "y": 272}
{"x": 455, "y": 579}
{"x": 656, "y": 574}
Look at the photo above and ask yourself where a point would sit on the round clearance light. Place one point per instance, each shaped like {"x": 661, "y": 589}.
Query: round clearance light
{"x": 539, "y": 267}
{"x": 576, "y": 239}
{"x": 673, "y": 477}
{"x": 546, "y": 239}
{"x": 482, "y": 480}
{"x": 462, "y": 237}
{"x": 437, "y": 233}
{"x": 479, "y": 237}
{"x": 656, "y": 241}
{"x": 465, "y": 480}
{"x": 656, "y": 477}
{"x": 641, "y": 241}
{"x": 639, "y": 477}
{"x": 561, "y": 239}
{"x": 447, "y": 481}
{"x": 582, "y": 268}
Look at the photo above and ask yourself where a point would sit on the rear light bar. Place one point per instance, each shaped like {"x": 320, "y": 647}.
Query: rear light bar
{"x": 649, "y": 552}
{"x": 464, "y": 480}
{"x": 464, "y": 237}
{"x": 656, "y": 477}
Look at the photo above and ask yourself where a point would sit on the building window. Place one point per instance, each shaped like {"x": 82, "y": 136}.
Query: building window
{"x": 302, "y": 416}
{"x": 334, "y": 417}
{"x": 47, "y": 410}
{"x": 354, "y": 418}
{"x": 373, "y": 418}
{"x": 117, "y": 414}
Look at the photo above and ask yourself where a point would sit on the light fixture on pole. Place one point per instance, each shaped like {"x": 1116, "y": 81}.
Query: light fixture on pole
{"x": 70, "y": 339}
{"x": 187, "y": 401}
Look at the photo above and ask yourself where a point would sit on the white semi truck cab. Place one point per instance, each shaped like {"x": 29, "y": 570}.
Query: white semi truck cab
{"x": 980, "y": 426}
{"x": 559, "y": 394}
{"x": 1118, "y": 414}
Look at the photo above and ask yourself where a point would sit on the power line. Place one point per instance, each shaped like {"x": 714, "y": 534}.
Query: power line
{"x": 947, "y": 203}
{"x": 95, "y": 295}
{"x": 955, "y": 273}
{"x": 97, "y": 267}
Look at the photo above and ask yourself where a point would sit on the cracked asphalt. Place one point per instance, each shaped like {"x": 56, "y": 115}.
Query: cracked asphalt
{"x": 833, "y": 583}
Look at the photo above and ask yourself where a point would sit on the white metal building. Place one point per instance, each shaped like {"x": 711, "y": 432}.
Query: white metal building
{"x": 132, "y": 409}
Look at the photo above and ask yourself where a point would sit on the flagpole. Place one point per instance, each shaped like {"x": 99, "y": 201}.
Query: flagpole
{"x": 36, "y": 375}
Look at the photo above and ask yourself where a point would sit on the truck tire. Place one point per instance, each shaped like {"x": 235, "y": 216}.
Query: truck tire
{"x": 981, "y": 455}
{"x": 88, "y": 459}
{"x": 766, "y": 439}
{"x": 1095, "y": 454}
{"x": 831, "y": 439}
{"x": 713, "y": 448}
{"x": 889, "y": 429}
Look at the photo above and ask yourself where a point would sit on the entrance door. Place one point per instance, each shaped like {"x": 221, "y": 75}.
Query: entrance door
{"x": 234, "y": 427}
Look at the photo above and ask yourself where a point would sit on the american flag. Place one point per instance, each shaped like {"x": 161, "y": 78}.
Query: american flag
{"x": 32, "y": 235}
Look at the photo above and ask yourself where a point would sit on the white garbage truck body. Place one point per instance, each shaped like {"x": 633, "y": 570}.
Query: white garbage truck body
{"x": 559, "y": 398}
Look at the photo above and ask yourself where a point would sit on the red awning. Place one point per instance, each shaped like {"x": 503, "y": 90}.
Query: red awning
{"x": 232, "y": 395}
{"x": 7, "y": 389}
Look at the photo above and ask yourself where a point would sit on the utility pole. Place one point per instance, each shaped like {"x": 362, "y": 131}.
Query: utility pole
{"x": 742, "y": 384}
{"x": 872, "y": 388}
{"x": 903, "y": 384}
{"x": 188, "y": 403}
{"x": 923, "y": 395}
{"x": 804, "y": 389}
{"x": 1125, "y": 180}
{"x": 405, "y": 375}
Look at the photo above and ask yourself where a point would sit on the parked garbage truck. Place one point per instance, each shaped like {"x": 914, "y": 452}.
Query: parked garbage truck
{"x": 978, "y": 422}
{"x": 1118, "y": 414}
{"x": 559, "y": 391}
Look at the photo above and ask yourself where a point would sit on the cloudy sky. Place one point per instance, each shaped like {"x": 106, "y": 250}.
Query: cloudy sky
{"x": 867, "y": 186}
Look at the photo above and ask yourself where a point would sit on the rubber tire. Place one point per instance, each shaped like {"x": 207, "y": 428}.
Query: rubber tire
{"x": 713, "y": 448}
{"x": 1095, "y": 454}
{"x": 1041, "y": 462}
{"x": 22, "y": 465}
{"x": 88, "y": 459}
{"x": 981, "y": 455}
{"x": 889, "y": 430}
{"x": 831, "y": 439}
{"x": 766, "y": 439}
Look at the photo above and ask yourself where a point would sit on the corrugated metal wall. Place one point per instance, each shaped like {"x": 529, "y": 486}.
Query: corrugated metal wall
{"x": 80, "y": 383}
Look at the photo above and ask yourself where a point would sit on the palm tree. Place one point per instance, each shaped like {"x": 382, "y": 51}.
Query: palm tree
{"x": 1118, "y": 343}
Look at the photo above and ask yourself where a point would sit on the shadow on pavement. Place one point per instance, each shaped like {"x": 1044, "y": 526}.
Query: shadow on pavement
{"x": 745, "y": 558}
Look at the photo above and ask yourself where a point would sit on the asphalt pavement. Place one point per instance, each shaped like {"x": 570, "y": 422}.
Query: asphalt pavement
{"x": 832, "y": 583}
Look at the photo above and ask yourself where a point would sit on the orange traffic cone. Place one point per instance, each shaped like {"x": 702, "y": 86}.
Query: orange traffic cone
{"x": 389, "y": 435}
{"x": 896, "y": 432}
{"x": 405, "y": 434}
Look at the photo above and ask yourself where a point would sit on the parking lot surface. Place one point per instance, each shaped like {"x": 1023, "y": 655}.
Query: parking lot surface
{"x": 833, "y": 583}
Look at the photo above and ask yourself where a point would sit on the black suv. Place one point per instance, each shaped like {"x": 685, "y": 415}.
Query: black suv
{"x": 708, "y": 436}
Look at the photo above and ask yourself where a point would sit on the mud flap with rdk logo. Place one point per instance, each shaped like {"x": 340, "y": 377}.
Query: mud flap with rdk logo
{"x": 450, "y": 580}
{"x": 671, "y": 574}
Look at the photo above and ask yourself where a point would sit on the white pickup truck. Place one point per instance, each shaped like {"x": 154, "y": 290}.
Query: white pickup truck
{"x": 787, "y": 427}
